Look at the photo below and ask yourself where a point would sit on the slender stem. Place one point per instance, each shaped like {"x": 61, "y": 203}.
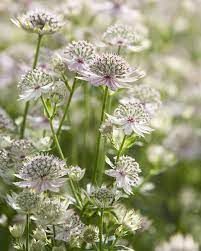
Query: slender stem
{"x": 121, "y": 148}
{"x": 67, "y": 106}
{"x": 56, "y": 141}
{"x": 99, "y": 136}
{"x": 26, "y": 109}
{"x": 54, "y": 234}
{"x": 66, "y": 83}
{"x": 101, "y": 230}
{"x": 27, "y": 232}
{"x": 119, "y": 50}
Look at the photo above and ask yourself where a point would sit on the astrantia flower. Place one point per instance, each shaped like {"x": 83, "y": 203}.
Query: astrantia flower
{"x": 128, "y": 218}
{"x": 34, "y": 84}
{"x": 72, "y": 228}
{"x": 90, "y": 234}
{"x": 78, "y": 55}
{"x": 179, "y": 242}
{"x": 76, "y": 173}
{"x": 42, "y": 172}
{"x": 51, "y": 211}
{"x": 126, "y": 172}
{"x": 131, "y": 118}
{"x": 145, "y": 95}
{"x": 26, "y": 201}
{"x": 20, "y": 149}
{"x": 111, "y": 70}
{"x": 39, "y": 21}
{"x": 6, "y": 171}
{"x": 125, "y": 36}
{"x": 6, "y": 123}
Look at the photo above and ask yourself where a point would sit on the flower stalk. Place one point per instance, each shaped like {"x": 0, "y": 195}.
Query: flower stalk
{"x": 26, "y": 109}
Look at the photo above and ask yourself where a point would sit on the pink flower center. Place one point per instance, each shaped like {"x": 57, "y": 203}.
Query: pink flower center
{"x": 130, "y": 119}
{"x": 37, "y": 87}
{"x": 80, "y": 61}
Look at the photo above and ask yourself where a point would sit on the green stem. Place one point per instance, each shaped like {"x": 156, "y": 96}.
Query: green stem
{"x": 56, "y": 141}
{"x": 26, "y": 109}
{"x": 66, "y": 83}
{"x": 119, "y": 50}
{"x": 101, "y": 230}
{"x": 54, "y": 234}
{"x": 27, "y": 232}
{"x": 67, "y": 106}
{"x": 121, "y": 148}
{"x": 99, "y": 137}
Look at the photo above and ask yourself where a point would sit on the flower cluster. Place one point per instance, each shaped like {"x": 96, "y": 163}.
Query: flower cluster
{"x": 42, "y": 172}
{"x": 34, "y": 84}
{"x": 39, "y": 21}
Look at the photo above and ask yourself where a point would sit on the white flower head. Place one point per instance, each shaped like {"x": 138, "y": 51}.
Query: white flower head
{"x": 76, "y": 173}
{"x": 90, "y": 234}
{"x": 6, "y": 123}
{"x": 39, "y": 21}
{"x": 131, "y": 118}
{"x": 26, "y": 201}
{"x": 42, "y": 172}
{"x": 52, "y": 210}
{"x": 111, "y": 70}
{"x": 145, "y": 95}
{"x": 125, "y": 36}
{"x": 129, "y": 218}
{"x": 72, "y": 228}
{"x": 179, "y": 242}
{"x": 78, "y": 55}
{"x": 34, "y": 84}
{"x": 126, "y": 172}
{"x": 6, "y": 170}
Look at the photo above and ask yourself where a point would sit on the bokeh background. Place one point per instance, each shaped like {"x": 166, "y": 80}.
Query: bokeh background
{"x": 172, "y": 153}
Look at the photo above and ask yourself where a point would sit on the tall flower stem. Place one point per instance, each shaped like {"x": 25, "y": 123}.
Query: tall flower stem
{"x": 121, "y": 148}
{"x": 26, "y": 109}
{"x": 101, "y": 230}
{"x": 67, "y": 106}
{"x": 99, "y": 138}
{"x": 56, "y": 141}
{"x": 27, "y": 232}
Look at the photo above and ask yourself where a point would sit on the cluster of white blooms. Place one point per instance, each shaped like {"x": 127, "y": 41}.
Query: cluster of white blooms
{"x": 78, "y": 55}
{"x": 125, "y": 171}
{"x": 131, "y": 118}
{"x": 112, "y": 71}
{"x": 42, "y": 172}
{"x": 125, "y": 36}
{"x": 39, "y": 21}
{"x": 6, "y": 123}
{"x": 179, "y": 242}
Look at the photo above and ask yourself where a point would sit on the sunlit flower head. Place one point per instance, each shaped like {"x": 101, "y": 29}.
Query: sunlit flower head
{"x": 52, "y": 210}
{"x": 129, "y": 218}
{"x": 6, "y": 123}
{"x": 126, "y": 172}
{"x": 90, "y": 234}
{"x": 71, "y": 229}
{"x": 126, "y": 36}
{"x": 76, "y": 173}
{"x": 25, "y": 201}
{"x": 78, "y": 55}
{"x": 145, "y": 95}
{"x": 39, "y": 21}
{"x": 111, "y": 70}
{"x": 34, "y": 84}
{"x": 179, "y": 242}
{"x": 42, "y": 172}
{"x": 131, "y": 118}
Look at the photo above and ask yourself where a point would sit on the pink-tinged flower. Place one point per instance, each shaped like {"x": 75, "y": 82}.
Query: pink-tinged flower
{"x": 78, "y": 55}
{"x": 34, "y": 84}
{"x": 42, "y": 172}
{"x": 131, "y": 118}
{"x": 111, "y": 70}
{"x": 126, "y": 172}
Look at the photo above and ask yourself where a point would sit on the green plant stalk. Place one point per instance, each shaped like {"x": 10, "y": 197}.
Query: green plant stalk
{"x": 26, "y": 109}
{"x": 56, "y": 141}
{"x": 27, "y": 232}
{"x": 67, "y": 106}
{"x": 101, "y": 230}
{"x": 121, "y": 148}
{"x": 99, "y": 138}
